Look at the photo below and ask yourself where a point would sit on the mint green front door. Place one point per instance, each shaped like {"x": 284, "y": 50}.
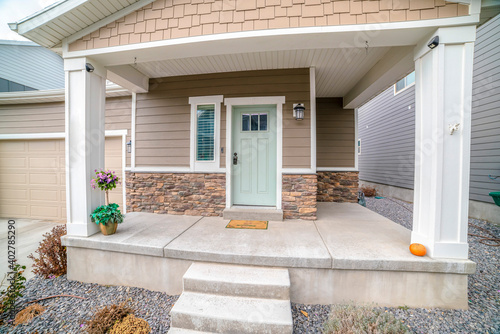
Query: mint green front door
{"x": 254, "y": 165}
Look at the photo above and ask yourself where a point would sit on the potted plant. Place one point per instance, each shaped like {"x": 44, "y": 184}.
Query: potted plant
{"x": 106, "y": 216}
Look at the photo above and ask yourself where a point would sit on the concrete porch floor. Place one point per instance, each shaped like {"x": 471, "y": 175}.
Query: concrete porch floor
{"x": 346, "y": 241}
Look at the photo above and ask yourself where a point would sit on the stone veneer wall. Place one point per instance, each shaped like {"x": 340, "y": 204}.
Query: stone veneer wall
{"x": 338, "y": 187}
{"x": 176, "y": 193}
{"x": 299, "y": 196}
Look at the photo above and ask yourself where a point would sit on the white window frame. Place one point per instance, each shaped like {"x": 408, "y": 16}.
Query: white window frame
{"x": 205, "y": 166}
{"x": 396, "y": 92}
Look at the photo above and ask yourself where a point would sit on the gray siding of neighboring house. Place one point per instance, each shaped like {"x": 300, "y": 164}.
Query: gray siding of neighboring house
{"x": 30, "y": 65}
{"x": 387, "y": 126}
{"x": 485, "y": 143}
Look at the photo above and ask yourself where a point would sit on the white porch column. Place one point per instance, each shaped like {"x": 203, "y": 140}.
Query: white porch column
{"x": 443, "y": 97}
{"x": 85, "y": 103}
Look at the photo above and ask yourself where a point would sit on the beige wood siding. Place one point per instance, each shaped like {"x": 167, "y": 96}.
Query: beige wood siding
{"x": 49, "y": 117}
{"x": 119, "y": 117}
{"x": 33, "y": 181}
{"x": 163, "y": 114}
{"x": 335, "y": 128}
{"x": 162, "y": 19}
{"x": 32, "y": 118}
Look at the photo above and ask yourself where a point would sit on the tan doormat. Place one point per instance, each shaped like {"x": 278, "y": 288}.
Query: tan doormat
{"x": 248, "y": 224}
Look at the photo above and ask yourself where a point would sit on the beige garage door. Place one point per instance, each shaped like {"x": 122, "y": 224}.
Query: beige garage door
{"x": 32, "y": 177}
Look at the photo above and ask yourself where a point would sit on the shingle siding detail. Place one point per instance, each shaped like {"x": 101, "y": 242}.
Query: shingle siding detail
{"x": 167, "y": 19}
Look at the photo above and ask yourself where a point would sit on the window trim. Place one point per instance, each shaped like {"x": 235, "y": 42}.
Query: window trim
{"x": 405, "y": 87}
{"x": 205, "y": 166}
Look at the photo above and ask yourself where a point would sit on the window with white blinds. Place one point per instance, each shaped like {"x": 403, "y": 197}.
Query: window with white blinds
{"x": 204, "y": 140}
{"x": 205, "y": 132}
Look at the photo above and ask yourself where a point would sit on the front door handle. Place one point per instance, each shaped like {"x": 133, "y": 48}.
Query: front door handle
{"x": 235, "y": 159}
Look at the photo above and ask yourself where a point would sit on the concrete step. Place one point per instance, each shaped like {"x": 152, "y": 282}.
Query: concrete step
{"x": 225, "y": 314}
{"x": 175, "y": 330}
{"x": 243, "y": 213}
{"x": 241, "y": 281}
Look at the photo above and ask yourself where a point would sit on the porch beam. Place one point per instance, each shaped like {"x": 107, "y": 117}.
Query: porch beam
{"x": 443, "y": 95}
{"x": 84, "y": 144}
{"x": 396, "y": 63}
{"x": 128, "y": 77}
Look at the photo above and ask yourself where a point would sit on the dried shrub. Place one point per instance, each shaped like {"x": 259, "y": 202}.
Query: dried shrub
{"x": 348, "y": 319}
{"x": 104, "y": 319}
{"x": 28, "y": 314}
{"x": 131, "y": 325}
{"x": 52, "y": 260}
{"x": 369, "y": 191}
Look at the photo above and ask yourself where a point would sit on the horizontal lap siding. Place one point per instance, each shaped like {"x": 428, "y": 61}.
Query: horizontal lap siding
{"x": 119, "y": 117}
{"x": 163, "y": 114}
{"x": 49, "y": 117}
{"x": 485, "y": 142}
{"x": 388, "y": 142}
{"x": 32, "y": 118}
{"x": 387, "y": 130}
{"x": 335, "y": 134}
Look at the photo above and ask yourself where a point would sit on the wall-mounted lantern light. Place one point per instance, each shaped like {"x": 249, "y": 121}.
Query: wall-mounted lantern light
{"x": 129, "y": 147}
{"x": 298, "y": 111}
{"x": 433, "y": 42}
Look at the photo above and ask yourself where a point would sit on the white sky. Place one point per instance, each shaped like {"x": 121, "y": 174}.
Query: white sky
{"x": 14, "y": 10}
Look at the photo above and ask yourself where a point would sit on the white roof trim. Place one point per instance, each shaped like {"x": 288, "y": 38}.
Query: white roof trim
{"x": 27, "y": 26}
{"x": 52, "y": 95}
{"x": 111, "y": 18}
{"x": 44, "y": 16}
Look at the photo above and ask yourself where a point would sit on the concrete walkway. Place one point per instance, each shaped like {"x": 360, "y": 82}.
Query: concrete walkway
{"x": 29, "y": 233}
{"x": 345, "y": 236}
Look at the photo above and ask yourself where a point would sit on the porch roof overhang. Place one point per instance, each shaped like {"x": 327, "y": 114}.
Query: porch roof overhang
{"x": 343, "y": 68}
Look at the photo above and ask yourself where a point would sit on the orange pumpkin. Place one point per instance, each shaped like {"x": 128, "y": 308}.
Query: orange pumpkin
{"x": 418, "y": 249}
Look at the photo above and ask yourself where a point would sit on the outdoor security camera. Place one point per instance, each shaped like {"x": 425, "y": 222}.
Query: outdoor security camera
{"x": 89, "y": 67}
{"x": 433, "y": 42}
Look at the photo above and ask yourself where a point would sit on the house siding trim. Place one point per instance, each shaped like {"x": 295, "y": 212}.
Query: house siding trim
{"x": 279, "y": 101}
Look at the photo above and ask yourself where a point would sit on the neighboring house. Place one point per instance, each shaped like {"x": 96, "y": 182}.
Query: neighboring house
{"x": 28, "y": 66}
{"x": 387, "y": 132}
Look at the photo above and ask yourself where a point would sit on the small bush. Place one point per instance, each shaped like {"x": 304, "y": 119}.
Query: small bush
{"x": 369, "y": 191}
{"x": 131, "y": 325}
{"x": 52, "y": 260}
{"x": 104, "y": 319}
{"x": 28, "y": 314}
{"x": 348, "y": 319}
{"x": 8, "y": 297}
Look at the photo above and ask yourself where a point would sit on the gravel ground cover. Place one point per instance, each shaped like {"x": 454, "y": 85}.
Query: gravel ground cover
{"x": 483, "y": 315}
{"x": 66, "y": 315}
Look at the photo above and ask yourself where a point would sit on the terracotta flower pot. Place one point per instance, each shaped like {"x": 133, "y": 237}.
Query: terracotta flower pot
{"x": 109, "y": 228}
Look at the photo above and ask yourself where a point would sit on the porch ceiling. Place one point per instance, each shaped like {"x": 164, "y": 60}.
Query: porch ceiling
{"x": 337, "y": 70}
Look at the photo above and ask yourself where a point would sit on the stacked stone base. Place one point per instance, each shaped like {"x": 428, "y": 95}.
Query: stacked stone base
{"x": 178, "y": 194}
{"x": 205, "y": 194}
{"x": 299, "y": 196}
{"x": 338, "y": 187}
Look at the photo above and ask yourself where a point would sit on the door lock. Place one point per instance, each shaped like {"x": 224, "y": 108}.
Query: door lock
{"x": 235, "y": 159}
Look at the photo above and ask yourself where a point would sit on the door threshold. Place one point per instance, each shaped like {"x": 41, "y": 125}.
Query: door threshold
{"x": 253, "y": 207}
{"x": 253, "y": 213}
